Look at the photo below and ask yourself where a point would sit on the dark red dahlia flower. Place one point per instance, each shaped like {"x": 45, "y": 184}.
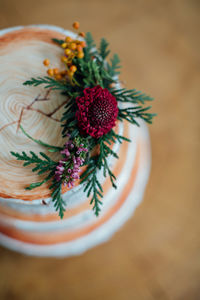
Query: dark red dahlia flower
{"x": 97, "y": 111}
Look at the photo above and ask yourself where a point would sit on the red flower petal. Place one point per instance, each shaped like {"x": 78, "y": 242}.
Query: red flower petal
{"x": 97, "y": 111}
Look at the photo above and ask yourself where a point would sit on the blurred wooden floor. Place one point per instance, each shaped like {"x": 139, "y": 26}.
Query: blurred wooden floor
{"x": 156, "y": 255}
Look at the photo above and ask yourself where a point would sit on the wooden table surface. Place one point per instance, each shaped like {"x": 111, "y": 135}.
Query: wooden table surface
{"x": 156, "y": 255}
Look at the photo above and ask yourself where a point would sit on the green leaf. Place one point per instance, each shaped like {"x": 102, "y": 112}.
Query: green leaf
{"x": 114, "y": 66}
{"x": 103, "y": 49}
{"x": 130, "y": 96}
{"x": 90, "y": 50}
{"x": 41, "y": 166}
{"x": 49, "y": 83}
{"x": 57, "y": 199}
{"x": 135, "y": 113}
{"x": 89, "y": 41}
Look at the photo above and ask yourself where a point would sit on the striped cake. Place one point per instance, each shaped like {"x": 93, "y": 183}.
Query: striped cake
{"x": 28, "y": 221}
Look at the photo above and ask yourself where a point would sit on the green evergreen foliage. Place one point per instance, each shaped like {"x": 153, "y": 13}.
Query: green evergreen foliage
{"x": 114, "y": 66}
{"x": 69, "y": 122}
{"x": 100, "y": 162}
{"x": 136, "y": 111}
{"x": 49, "y": 82}
{"x": 90, "y": 50}
{"x": 41, "y": 165}
{"x": 103, "y": 49}
{"x": 57, "y": 199}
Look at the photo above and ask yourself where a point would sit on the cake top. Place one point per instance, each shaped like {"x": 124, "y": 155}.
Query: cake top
{"x": 63, "y": 124}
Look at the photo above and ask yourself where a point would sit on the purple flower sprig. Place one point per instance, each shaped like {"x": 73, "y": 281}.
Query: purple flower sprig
{"x": 74, "y": 155}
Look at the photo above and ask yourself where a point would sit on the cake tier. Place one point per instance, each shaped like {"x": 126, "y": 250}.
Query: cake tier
{"x": 28, "y": 221}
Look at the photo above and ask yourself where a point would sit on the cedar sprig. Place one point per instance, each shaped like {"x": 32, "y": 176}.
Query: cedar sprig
{"x": 103, "y": 49}
{"x": 64, "y": 86}
{"x": 56, "y": 196}
{"x": 48, "y": 82}
{"x": 93, "y": 187}
{"x": 88, "y": 73}
{"x": 46, "y": 165}
{"x": 99, "y": 162}
{"x": 114, "y": 66}
{"x": 105, "y": 152}
{"x": 69, "y": 122}
{"x": 41, "y": 165}
{"x": 90, "y": 50}
{"x": 130, "y": 96}
{"x": 91, "y": 73}
{"x": 34, "y": 159}
{"x": 118, "y": 137}
{"x": 136, "y": 110}
{"x": 91, "y": 53}
{"x": 131, "y": 114}
{"x": 103, "y": 162}
{"x": 93, "y": 69}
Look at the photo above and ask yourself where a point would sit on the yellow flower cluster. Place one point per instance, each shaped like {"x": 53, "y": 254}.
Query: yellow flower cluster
{"x": 72, "y": 48}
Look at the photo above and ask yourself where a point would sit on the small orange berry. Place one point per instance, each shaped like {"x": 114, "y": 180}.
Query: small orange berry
{"x": 76, "y": 25}
{"x": 64, "y": 45}
{"x": 58, "y": 76}
{"x": 46, "y": 62}
{"x": 73, "y": 68}
{"x": 68, "y": 51}
{"x": 80, "y": 55}
{"x": 73, "y": 46}
{"x": 79, "y": 48}
{"x": 82, "y": 34}
{"x": 50, "y": 72}
{"x": 68, "y": 39}
{"x": 55, "y": 71}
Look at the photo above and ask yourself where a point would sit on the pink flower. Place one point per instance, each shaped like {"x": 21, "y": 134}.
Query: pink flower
{"x": 71, "y": 158}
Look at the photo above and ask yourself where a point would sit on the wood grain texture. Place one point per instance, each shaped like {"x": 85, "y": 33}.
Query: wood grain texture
{"x": 156, "y": 255}
{"x": 22, "y": 53}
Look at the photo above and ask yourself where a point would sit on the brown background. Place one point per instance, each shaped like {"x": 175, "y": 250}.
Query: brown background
{"x": 156, "y": 255}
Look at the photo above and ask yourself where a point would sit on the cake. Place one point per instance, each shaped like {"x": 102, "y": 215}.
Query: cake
{"x": 28, "y": 220}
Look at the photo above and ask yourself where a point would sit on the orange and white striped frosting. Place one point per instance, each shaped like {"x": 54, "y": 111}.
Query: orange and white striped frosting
{"x": 26, "y": 223}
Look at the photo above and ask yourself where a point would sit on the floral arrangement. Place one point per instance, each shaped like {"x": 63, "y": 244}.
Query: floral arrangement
{"x": 95, "y": 104}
